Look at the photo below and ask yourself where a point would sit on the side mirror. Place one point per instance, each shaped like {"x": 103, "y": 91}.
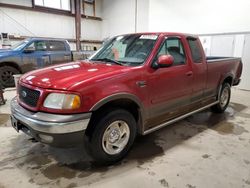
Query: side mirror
{"x": 165, "y": 61}
{"x": 29, "y": 49}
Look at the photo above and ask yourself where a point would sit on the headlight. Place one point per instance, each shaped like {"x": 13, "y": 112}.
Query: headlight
{"x": 62, "y": 101}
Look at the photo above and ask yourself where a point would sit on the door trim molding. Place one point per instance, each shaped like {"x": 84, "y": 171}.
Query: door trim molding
{"x": 177, "y": 119}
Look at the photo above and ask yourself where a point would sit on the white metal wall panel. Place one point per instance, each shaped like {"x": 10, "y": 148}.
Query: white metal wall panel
{"x": 245, "y": 82}
{"x": 206, "y": 43}
{"x": 222, "y": 45}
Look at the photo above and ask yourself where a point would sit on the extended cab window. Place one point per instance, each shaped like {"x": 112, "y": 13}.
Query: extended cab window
{"x": 56, "y": 46}
{"x": 173, "y": 46}
{"x": 195, "y": 49}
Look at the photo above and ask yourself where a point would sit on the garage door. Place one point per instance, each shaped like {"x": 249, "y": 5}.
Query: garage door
{"x": 222, "y": 45}
{"x": 245, "y": 83}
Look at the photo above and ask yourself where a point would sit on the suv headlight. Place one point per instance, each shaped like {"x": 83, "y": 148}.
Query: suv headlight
{"x": 62, "y": 101}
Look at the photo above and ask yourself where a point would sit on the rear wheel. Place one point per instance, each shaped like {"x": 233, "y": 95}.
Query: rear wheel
{"x": 112, "y": 137}
{"x": 6, "y": 75}
{"x": 224, "y": 99}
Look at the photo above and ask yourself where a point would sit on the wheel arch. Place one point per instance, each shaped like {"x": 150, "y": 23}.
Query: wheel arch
{"x": 226, "y": 79}
{"x": 12, "y": 64}
{"x": 125, "y": 101}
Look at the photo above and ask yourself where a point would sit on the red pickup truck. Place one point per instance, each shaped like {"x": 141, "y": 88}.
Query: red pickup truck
{"x": 134, "y": 84}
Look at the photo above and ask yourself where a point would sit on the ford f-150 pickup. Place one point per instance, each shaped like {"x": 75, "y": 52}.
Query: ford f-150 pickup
{"x": 30, "y": 54}
{"x": 133, "y": 85}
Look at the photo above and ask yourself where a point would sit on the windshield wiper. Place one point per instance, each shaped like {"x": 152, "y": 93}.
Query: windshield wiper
{"x": 108, "y": 60}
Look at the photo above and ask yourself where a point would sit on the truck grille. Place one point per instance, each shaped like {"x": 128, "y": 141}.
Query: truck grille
{"x": 28, "y": 96}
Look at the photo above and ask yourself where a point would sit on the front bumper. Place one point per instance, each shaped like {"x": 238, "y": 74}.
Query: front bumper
{"x": 53, "y": 129}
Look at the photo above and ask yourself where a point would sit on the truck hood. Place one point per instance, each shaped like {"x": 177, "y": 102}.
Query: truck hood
{"x": 65, "y": 76}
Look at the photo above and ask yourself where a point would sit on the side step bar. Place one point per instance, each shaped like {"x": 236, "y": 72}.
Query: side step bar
{"x": 177, "y": 119}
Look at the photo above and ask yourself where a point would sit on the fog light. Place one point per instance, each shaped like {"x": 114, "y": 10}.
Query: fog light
{"x": 46, "y": 138}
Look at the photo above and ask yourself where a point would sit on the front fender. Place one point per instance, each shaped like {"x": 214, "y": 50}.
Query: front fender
{"x": 122, "y": 95}
{"x": 14, "y": 61}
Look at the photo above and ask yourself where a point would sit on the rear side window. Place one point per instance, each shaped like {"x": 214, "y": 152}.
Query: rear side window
{"x": 195, "y": 49}
{"x": 56, "y": 46}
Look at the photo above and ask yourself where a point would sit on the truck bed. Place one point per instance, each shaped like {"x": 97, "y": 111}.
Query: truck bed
{"x": 217, "y": 67}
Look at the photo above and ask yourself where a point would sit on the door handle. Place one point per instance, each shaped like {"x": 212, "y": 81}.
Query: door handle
{"x": 141, "y": 83}
{"x": 189, "y": 73}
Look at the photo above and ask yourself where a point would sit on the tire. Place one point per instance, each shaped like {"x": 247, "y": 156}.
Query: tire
{"x": 224, "y": 99}
{"x": 115, "y": 127}
{"x": 6, "y": 76}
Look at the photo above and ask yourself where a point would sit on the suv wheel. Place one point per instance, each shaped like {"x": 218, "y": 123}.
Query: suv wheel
{"x": 6, "y": 76}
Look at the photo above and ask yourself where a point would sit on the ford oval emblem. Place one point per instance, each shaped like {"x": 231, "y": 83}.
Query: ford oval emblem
{"x": 24, "y": 94}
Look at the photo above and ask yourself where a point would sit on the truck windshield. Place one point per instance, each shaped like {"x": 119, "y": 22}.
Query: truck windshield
{"x": 19, "y": 45}
{"x": 131, "y": 50}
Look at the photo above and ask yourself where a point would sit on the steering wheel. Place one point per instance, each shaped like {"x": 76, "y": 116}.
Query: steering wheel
{"x": 141, "y": 55}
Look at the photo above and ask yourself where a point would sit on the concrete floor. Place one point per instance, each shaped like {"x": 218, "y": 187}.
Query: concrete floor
{"x": 204, "y": 150}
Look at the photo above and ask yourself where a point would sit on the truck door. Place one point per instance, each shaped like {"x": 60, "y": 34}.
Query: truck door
{"x": 35, "y": 55}
{"x": 170, "y": 87}
{"x": 58, "y": 52}
{"x": 199, "y": 67}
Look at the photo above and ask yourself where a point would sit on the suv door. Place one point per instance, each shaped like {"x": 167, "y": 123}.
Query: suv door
{"x": 170, "y": 88}
{"x": 37, "y": 56}
{"x": 58, "y": 52}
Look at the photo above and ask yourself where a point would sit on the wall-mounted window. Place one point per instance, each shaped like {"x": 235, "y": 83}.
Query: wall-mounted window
{"x": 55, "y": 4}
{"x": 88, "y": 7}
{"x": 89, "y": 1}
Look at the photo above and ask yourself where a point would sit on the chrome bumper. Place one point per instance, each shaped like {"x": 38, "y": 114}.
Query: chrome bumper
{"x": 50, "y": 123}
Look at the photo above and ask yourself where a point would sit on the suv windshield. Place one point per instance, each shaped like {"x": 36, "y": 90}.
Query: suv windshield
{"x": 129, "y": 50}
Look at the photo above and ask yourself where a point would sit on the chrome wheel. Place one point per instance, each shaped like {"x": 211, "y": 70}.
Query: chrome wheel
{"x": 224, "y": 97}
{"x": 115, "y": 137}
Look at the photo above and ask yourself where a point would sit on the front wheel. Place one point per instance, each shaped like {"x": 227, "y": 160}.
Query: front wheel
{"x": 224, "y": 99}
{"x": 112, "y": 136}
